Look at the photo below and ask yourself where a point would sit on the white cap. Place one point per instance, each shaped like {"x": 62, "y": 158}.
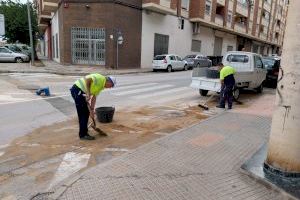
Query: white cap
{"x": 113, "y": 80}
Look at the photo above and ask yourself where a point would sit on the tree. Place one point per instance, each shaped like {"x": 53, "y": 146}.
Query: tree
{"x": 16, "y": 21}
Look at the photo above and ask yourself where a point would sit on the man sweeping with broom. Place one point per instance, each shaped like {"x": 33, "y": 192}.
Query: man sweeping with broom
{"x": 84, "y": 93}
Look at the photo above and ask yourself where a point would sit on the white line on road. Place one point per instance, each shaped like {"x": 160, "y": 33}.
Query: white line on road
{"x": 72, "y": 163}
{"x": 38, "y": 99}
{"x": 161, "y": 93}
{"x": 142, "y": 90}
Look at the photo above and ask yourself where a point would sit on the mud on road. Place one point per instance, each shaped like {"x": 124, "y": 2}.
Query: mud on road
{"x": 39, "y": 153}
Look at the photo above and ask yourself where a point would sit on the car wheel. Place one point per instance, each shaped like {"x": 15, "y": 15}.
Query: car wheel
{"x": 260, "y": 88}
{"x": 203, "y": 92}
{"x": 169, "y": 68}
{"x": 236, "y": 93}
{"x": 185, "y": 68}
{"x": 18, "y": 60}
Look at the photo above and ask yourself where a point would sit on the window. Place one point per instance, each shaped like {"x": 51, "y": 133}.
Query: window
{"x": 161, "y": 44}
{"x": 178, "y": 58}
{"x": 238, "y": 58}
{"x": 196, "y": 45}
{"x": 258, "y": 62}
{"x": 208, "y": 7}
{"x": 52, "y": 44}
{"x": 4, "y": 50}
{"x": 185, "y": 4}
{"x": 229, "y": 48}
{"x": 266, "y": 15}
{"x": 159, "y": 57}
{"x": 229, "y": 16}
{"x": 181, "y": 23}
{"x": 172, "y": 58}
{"x": 56, "y": 45}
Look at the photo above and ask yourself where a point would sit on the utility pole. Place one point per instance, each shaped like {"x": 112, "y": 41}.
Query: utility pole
{"x": 284, "y": 144}
{"x": 30, "y": 33}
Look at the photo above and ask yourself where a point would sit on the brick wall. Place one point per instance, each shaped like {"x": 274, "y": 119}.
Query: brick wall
{"x": 197, "y": 9}
{"x": 111, "y": 17}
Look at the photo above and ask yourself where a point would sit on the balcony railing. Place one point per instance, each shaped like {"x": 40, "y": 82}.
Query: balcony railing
{"x": 221, "y": 2}
{"x": 242, "y": 9}
{"x": 49, "y": 5}
{"x": 240, "y": 27}
{"x": 219, "y": 20}
{"x": 160, "y": 6}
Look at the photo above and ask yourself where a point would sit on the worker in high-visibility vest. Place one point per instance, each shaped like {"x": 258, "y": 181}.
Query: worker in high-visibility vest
{"x": 227, "y": 85}
{"x": 84, "y": 92}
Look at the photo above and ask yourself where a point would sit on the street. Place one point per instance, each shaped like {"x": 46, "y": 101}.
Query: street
{"x": 39, "y": 135}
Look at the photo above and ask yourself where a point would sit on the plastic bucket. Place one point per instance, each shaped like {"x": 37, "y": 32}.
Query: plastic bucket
{"x": 105, "y": 114}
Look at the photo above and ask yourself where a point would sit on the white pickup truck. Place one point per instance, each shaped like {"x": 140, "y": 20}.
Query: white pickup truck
{"x": 250, "y": 73}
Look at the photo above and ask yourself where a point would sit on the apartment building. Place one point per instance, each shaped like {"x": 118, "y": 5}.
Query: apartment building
{"x": 87, "y": 31}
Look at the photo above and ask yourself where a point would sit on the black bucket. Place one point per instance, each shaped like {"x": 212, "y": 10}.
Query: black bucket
{"x": 105, "y": 114}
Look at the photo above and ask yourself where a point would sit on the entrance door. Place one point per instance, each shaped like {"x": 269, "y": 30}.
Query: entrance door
{"x": 88, "y": 46}
{"x": 218, "y": 46}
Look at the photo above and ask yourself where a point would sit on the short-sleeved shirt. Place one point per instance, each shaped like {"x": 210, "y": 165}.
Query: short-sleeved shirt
{"x": 97, "y": 85}
{"x": 227, "y": 74}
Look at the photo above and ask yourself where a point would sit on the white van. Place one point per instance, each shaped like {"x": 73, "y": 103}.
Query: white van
{"x": 250, "y": 73}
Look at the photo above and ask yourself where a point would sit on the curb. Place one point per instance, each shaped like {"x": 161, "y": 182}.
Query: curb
{"x": 268, "y": 184}
{"x": 71, "y": 73}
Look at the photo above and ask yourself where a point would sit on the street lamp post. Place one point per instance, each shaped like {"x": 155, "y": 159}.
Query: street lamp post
{"x": 30, "y": 33}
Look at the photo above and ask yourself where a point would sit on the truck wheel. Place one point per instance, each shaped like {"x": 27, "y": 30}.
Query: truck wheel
{"x": 203, "y": 92}
{"x": 169, "y": 68}
{"x": 260, "y": 88}
{"x": 236, "y": 93}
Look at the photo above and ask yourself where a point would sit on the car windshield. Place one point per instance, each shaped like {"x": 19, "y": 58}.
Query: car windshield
{"x": 268, "y": 63}
{"x": 190, "y": 56}
{"x": 159, "y": 57}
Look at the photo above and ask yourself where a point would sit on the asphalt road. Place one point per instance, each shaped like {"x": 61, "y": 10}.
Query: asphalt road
{"x": 23, "y": 111}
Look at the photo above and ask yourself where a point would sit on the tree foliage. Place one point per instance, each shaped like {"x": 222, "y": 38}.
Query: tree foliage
{"x": 16, "y": 21}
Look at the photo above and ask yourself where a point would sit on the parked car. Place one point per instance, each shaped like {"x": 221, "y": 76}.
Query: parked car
{"x": 272, "y": 64}
{"x": 25, "y": 48}
{"x": 7, "y": 55}
{"x": 17, "y": 49}
{"x": 169, "y": 63}
{"x": 197, "y": 61}
{"x": 250, "y": 73}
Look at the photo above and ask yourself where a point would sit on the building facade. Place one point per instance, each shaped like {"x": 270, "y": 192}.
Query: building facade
{"x": 127, "y": 34}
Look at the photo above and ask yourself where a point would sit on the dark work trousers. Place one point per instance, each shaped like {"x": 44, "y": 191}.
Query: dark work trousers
{"x": 226, "y": 95}
{"x": 82, "y": 110}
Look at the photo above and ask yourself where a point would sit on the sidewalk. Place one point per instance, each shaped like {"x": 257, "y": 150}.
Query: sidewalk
{"x": 200, "y": 162}
{"x": 72, "y": 70}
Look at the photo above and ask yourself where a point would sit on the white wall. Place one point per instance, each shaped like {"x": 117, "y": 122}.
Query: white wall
{"x": 180, "y": 41}
{"x": 55, "y": 30}
{"x": 207, "y": 38}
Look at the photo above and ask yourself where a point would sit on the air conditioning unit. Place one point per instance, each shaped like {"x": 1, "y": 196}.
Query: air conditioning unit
{"x": 196, "y": 28}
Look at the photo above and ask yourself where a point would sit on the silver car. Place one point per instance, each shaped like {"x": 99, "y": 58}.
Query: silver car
{"x": 7, "y": 55}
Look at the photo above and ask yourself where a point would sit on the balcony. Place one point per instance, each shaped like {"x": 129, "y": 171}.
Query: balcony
{"x": 219, "y": 20}
{"x": 49, "y": 5}
{"x": 240, "y": 27}
{"x": 221, "y": 2}
{"x": 160, "y": 6}
{"x": 42, "y": 27}
{"x": 242, "y": 9}
{"x": 44, "y": 18}
{"x": 267, "y": 6}
{"x": 265, "y": 22}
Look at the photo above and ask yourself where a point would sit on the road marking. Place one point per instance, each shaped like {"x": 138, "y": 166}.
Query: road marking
{"x": 132, "y": 86}
{"x": 37, "y": 99}
{"x": 2, "y": 153}
{"x": 72, "y": 163}
{"x": 184, "y": 95}
{"x": 4, "y": 146}
{"x": 148, "y": 89}
{"x": 160, "y": 93}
